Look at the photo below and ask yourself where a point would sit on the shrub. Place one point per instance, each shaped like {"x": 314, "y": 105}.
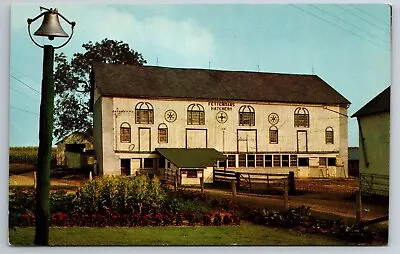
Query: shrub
{"x": 206, "y": 219}
{"x": 227, "y": 220}
{"x": 191, "y": 219}
{"x": 236, "y": 219}
{"x": 217, "y": 221}
{"x": 60, "y": 201}
{"x": 179, "y": 219}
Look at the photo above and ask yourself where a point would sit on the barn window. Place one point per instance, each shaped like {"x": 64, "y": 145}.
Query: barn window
{"x": 259, "y": 160}
{"x": 247, "y": 116}
{"x": 125, "y": 133}
{"x": 161, "y": 162}
{"x": 277, "y": 160}
{"x": 242, "y": 160}
{"x": 221, "y": 164}
{"x": 329, "y": 135}
{"x": 301, "y": 117}
{"x": 191, "y": 174}
{"x": 195, "y": 114}
{"x": 285, "y": 160}
{"x": 293, "y": 160}
{"x": 162, "y": 133}
{"x": 273, "y": 135}
{"x": 322, "y": 161}
{"x": 231, "y": 161}
{"x": 144, "y": 113}
{"x": 303, "y": 162}
{"x": 268, "y": 160}
{"x": 148, "y": 163}
{"x": 332, "y": 161}
{"x": 251, "y": 160}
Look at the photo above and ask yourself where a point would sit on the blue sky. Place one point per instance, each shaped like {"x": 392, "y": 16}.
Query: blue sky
{"x": 346, "y": 45}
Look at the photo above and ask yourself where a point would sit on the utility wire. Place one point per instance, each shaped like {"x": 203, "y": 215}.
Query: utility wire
{"x": 333, "y": 24}
{"x": 17, "y": 79}
{"x": 12, "y": 88}
{"x": 361, "y": 10}
{"x": 25, "y": 75}
{"x": 27, "y": 111}
{"x": 365, "y": 20}
{"x": 322, "y": 10}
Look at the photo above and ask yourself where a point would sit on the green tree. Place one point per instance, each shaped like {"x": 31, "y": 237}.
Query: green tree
{"x": 72, "y": 82}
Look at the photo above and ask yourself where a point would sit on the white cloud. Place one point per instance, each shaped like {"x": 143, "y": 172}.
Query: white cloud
{"x": 175, "y": 41}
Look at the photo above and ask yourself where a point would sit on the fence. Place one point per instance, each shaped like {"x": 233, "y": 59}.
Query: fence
{"x": 249, "y": 179}
{"x": 374, "y": 184}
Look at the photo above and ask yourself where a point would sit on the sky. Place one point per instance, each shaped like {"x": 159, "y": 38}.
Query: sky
{"x": 347, "y": 45}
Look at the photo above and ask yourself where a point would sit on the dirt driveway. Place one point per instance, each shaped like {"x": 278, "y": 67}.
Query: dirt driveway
{"x": 327, "y": 199}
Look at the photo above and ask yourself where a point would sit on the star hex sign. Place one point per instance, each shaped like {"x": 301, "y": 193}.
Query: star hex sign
{"x": 273, "y": 118}
{"x": 170, "y": 116}
{"x": 222, "y": 117}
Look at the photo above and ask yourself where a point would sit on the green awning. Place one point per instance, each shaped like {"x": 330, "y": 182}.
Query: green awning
{"x": 191, "y": 158}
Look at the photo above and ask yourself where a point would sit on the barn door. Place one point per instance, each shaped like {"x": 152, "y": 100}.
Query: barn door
{"x": 302, "y": 141}
{"x": 144, "y": 139}
{"x": 135, "y": 165}
{"x": 247, "y": 141}
{"x": 196, "y": 138}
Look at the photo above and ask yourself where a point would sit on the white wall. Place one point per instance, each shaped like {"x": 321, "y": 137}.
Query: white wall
{"x": 221, "y": 136}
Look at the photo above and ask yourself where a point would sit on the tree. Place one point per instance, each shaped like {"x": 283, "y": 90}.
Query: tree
{"x": 72, "y": 82}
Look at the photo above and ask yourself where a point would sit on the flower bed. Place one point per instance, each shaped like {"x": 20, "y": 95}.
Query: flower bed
{"x": 300, "y": 218}
{"x": 130, "y": 202}
{"x": 61, "y": 219}
{"x": 118, "y": 201}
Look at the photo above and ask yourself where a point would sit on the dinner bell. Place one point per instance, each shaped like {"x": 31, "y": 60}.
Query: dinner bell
{"x": 51, "y": 26}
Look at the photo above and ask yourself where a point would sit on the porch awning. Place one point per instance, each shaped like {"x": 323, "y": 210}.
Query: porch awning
{"x": 191, "y": 158}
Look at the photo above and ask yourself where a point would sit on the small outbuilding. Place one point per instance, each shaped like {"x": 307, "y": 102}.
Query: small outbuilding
{"x": 188, "y": 166}
{"x": 374, "y": 133}
{"x": 75, "y": 150}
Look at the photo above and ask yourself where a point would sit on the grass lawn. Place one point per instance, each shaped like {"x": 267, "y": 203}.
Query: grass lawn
{"x": 225, "y": 235}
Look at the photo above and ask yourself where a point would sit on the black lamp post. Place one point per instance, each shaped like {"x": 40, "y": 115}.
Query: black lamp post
{"x": 50, "y": 28}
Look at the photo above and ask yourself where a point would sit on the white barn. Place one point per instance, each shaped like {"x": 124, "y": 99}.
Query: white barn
{"x": 147, "y": 119}
{"x": 374, "y": 135}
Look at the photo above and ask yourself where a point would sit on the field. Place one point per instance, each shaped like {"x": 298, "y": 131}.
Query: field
{"x": 243, "y": 235}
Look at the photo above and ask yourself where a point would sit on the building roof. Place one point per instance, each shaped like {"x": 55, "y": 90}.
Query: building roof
{"x": 87, "y": 135}
{"x": 162, "y": 82}
{"x": 191, "y": 158}
{"x": 381, "y": 103}
{"x": 354, "y": 153}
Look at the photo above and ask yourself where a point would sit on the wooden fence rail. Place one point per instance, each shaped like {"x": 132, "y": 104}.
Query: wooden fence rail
{"x": 247, "y": 178}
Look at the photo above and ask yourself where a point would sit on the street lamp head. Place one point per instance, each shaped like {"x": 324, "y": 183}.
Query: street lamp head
{"x": 51, "y": 26}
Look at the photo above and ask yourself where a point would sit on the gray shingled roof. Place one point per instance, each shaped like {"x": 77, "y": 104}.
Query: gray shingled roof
{"x": 191, "y": 158}
{"x": 162, "y": 82}
{"x": 381, "y": 103}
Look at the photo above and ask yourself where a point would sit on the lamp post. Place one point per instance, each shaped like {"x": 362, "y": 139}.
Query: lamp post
{"x": 50, "y": 28}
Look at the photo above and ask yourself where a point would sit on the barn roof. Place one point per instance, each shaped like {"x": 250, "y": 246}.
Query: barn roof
{"x": 162, "y": 82}
{"x": 191, "y": 158}
{"x": 381, "y": 103}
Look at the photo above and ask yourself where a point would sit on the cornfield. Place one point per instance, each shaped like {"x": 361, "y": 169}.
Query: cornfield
{"x": 26, "y": 154}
